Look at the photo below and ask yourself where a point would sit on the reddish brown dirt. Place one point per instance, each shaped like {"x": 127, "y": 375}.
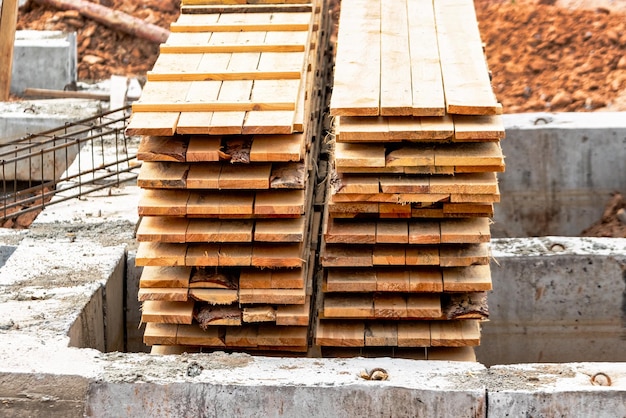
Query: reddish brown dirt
{"x": 548, "y": 58}
{"x": 103, "y": 52}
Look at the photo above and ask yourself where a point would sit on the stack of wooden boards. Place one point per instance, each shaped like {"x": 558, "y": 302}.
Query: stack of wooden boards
{"x": 406, "y": 232}
{"x": 230, "y": 125}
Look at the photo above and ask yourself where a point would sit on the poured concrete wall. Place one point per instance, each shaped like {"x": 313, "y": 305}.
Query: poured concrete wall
{"x": 560, "y": 171}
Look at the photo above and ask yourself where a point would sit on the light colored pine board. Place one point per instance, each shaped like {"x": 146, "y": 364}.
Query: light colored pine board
{"x": 359, "y": 155}
{"x": 465, "y": 231}
{"x": 351, "y": 280}
{"x": 390, "y": 306}
{"x": 426, "y": 280}
{"x": 247, "y": 22}
{"x": 242, "y": 6}
{"x": 273, "y": 296}
{"x": 269, "y": 122}
{"x": 467, "y": 210}
{"x": 467, "y": 279}
{"x": 160, "y": 254}
{"x": 451, "y": 353}
{"x": 460, "y": 333}
{"x": 204, "y": 148}
{"x": 396, "y": 95}
{"x": 476, "y": 183}
{"x": 156, "y": 333}
{"x": 348, "y": 306}
{"x": 423, "y": 306}
{"x": 279, "y": 148}
{"x": 293, "y": 315}
{"x": 259, "y": 314}
{"x": 162, "y": 229}
{"x": 396, "y": 184}
{"x": 271, "y": 279}
{"x": 467, "y": 85}
{"x": 204, "y": 176}
{"x": 153, "y": 123}
{"x": 163, "y": 202}
{"x": 235, "y": 255}
{"x": 423, "y": 256}
{"x": 424, "y": 232}
{"x": 394, "y": 211}
{"x": 220, "y": 204}
{"x": 167, "y": 312}
{"x": 195, "y": 336}
{"x": 358, "y": 184}
{"x": 197, "y": 123}
{"x": 381, "y": 334}
{"x": 339, "y": 209}
{"x": 187, "y": 39}
{"x": 209, "y": 230}
{"x": 338, "y": 232}
{"x": 287, "y": 203}
{"x": 394, "y": 129}
{"x": 411, "y": 156}
{"x": 470, "y": 154}
{"x": 356, "y": 84}
{"x": 392, "y": 232}
{"x": 413, "y": 334}
{"x": 234, "y": 176}
{"x": 282, "y": 230}
{"x": 465, "y": 255}
{"x": 214, "y": 296}
{"x": 172, "y": 105}
{"x": 201, "y": 255}
{"x": 426, "y": 77}
{"x": 163, "y": 294}
{"x": 277, "y": 255}
{"x": 478, "y": 128}
{"x": 273, "y": 336}
{"x": 342, "y": 256}
{"x": 160, "y": 277}
{"x": 199, "y": 48}
{"x": 340, "y": 334}
{"x": 244, "y": 336}
{"x": 162, "y": 175}
{"x": 388, "y": 256}
{"x": 162, "y": 148}
{"x": 395, "y": 280}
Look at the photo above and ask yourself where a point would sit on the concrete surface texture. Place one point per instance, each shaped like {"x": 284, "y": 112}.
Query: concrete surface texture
{"x": 62, "y": 335}
{"x": 43, "y": 59}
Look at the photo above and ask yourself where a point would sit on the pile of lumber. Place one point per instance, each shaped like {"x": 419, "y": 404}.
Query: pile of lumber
{"x": 230, "y": 122}
{"x": 406, "y": 231}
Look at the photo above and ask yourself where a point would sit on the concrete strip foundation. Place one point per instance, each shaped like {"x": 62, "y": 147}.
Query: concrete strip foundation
{"x": 67, "y": 308}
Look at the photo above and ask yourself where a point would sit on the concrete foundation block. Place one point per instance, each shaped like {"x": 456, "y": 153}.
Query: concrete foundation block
{"x": 134, "y": 328}
{"x": 25, "y": 395}
{"x": 43, "y": 59}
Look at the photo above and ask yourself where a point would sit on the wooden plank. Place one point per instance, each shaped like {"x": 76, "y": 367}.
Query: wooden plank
{"x": 413, "y": 334}
{"x": 390, "y": 306}
{"x": 423, "y": 256}
{"x": 395, "y": 129}
{"x": 271, "y": 279}
{"x": 465, "y": 231}
{"x": 348, "y": 306}
{"x": 163, "y": 294}
{"x": 464, "y": 255}
{"x": 208, "y": 230}
{"x": 277, "y": 255}
{"x": 426, "y": 77}
{"x": 198, "y": 123}
{"x": 392, "y": 232}
{"x": 288, "y": 203}
{"x": 338, "y": 232}
{"x": 411, "y": 156}
{"x": 164, "y": 276}
{"x": 271, "y": 335}
{"x": 235, "y": 255}
{"x": 195, "y": 336}
{"x": 358, "y": 60}
{"x": 259, "y": 314}
{"x": 423, "y": 306}
{"x": 153, "y": 123}
{"x": 203, "y": 49}
{"x": 167, "y": 312}
{"x": 234, "y": 176}
{"x": 359, "y": 155}
{"x": 341, "y": 256}
{"x": 351, "y": 280}
{"x": 214, "y": 106}
{"x": 294, "y": 315}
{"x": 273, "y": 296}
{"x": 357, "y": 184}
{"x": 162, "y": 148}
{"x": 460, "y": 333}
{"x": 277, "y": 148}
{"x": 240, "y": 6}
{"x": 424, "y": 232}
{"x": 396, "y": 95}
{"x": 425, "y": 280}
{"x": 381, "y": 334}
{"x": 467, "y": 84}
{"x": 389, "y": 256}
{"x": 202, "y": 255}
{"x": 162, "y": 229}
{"x": 156, "y": 333}
{"x": 478, "y": 128}
{"x": 204, "y": 148}
{"x": 245, "y": 336}
{"x": 469, "y": 154}
{"x": 220, "y": 204}
{"x": 163, "y": 202}
{"x": 395, "y": 184}
{"x": 214, "y": 296}
{"x": 475, "y": 183}
{"x": 162, "y": 175}
{"x": 8, "y": 22}
{"x": 283, "y": 230}
{"x": 467, "y": 279}
{"x": 204, "y": 176}
{"x": 183, "y": 26}
{"x": 340, "y": 334}
{"x": 393, "y": 280}
{"x": 160, "y": 254}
